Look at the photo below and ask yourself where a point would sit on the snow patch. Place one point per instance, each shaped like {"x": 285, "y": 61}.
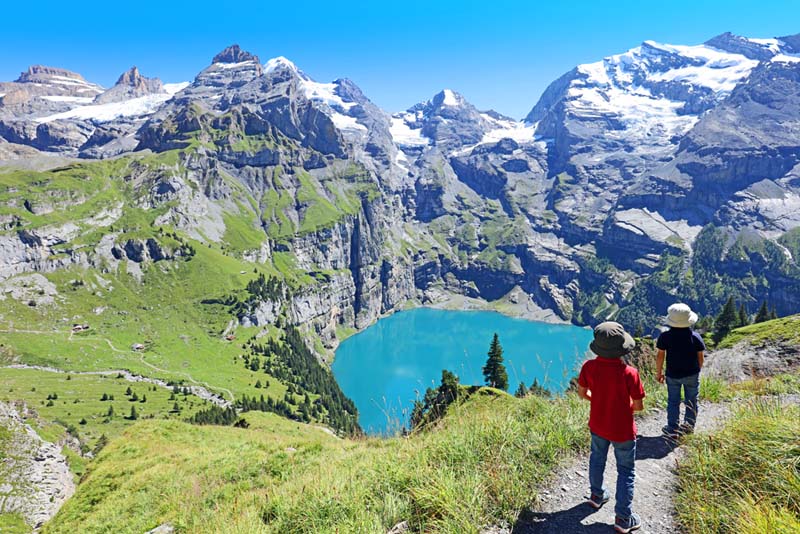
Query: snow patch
{"x": 719, "y": 80}
{"x": 135, "y": 107}
{"x": 172, "y": 88}
{"x": 277, "y": 62}
{"x": 773, "y": 45}
{"x": 248, "y": 63}
{"x": 520, "y": 132}
{"x": 404, "y": 135}
{"x": 401, "y": 160}
{"x": 450, "y": 98}
{"x": 325, "y": 92}
{"x": 785, "y": 58}
{"x": 343, "y": 122}
{"x": 64, "y": 80}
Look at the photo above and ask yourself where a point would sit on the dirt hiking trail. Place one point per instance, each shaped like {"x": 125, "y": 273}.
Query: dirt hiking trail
{"x": 562, "y": 507}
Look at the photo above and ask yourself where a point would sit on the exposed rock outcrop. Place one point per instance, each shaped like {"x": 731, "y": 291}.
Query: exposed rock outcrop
{"x": 35, "y": 479}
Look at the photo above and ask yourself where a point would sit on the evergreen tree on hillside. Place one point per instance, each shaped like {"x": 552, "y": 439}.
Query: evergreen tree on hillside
{"x": 773, "y": 314}
{"x": 538, "y": 389}
{"x": 522, "y": 390}
{"x": 762, "y": 314}
{"x": 744, "y": 320}
{"x": 449, "y": 386}
{"x": 494, "y": 371}
{"x": 726, "y": 320}
{"x": 133, "y": 416}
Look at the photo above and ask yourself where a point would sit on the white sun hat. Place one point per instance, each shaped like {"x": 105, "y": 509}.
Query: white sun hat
{"x": 681, "y": 316}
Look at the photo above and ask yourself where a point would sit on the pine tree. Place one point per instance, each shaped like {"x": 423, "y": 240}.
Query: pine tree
{"x": 762, "y": 314}
{"x": 744, "y": 320}
{"x": 110, "y": 412}
{"x": 725, "y": 321}
{"x": 449, "y": 386}
{"x": 538, "y": 389}
{"x": 133, "y": 416}
{"x": 521, "y": 390}
{"x": 128, "y": 391}
{"x": 773, "y": 314}
{"x": 104, "y": 397}
{"x": 494, "y": 371}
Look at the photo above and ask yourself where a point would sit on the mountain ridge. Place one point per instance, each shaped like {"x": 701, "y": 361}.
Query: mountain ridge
{"x": 601, "y": 166}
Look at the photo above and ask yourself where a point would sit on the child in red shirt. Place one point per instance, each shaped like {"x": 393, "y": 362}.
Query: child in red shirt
{"x": 615, "y": 391}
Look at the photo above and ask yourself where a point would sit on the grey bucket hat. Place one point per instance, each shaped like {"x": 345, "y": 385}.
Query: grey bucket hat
{"x": 611, "y": 340}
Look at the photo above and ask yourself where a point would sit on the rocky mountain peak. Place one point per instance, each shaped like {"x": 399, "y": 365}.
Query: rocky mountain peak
{"x": 234, "y": 54}
{"x": 448, "y": 97}
{"x": 36, "y": 73}
{"x": 791, "y": 43}
{"x": 131, "y": 84}
{"x": 758, "y": 49}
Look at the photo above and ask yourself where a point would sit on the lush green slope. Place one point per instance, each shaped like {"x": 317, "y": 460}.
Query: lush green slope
{"x": 784, "y": 330}
{"x": 744, "y": 479}
{"x": 479, "y": 465}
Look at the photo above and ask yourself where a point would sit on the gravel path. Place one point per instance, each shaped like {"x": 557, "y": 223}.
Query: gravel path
{"x": 562, "y": 508}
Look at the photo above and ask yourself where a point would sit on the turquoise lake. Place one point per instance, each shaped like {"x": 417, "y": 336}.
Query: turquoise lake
{"x": 385, "y": 367}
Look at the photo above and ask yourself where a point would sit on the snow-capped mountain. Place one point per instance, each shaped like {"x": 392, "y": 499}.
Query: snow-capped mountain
{"x": 627, "y": 157}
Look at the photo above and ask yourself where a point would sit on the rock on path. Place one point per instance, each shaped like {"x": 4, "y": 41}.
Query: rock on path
{"x": 562, "y": 507}
{"x": 35, "y": 479}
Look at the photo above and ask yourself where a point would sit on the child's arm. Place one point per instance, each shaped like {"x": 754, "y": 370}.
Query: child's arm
{"x": 701, "y": 358}
{"x": 584, "y": 393}
{"x": 637, "y": 405}
{"x": 660, "y": 365}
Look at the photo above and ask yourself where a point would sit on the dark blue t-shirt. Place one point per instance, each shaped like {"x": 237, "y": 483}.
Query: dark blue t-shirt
{"x": 682, "y": 346}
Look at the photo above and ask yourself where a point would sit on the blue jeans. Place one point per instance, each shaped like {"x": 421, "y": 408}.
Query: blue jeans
{"x": 691, "y": 388}
{"x": 625, "y": 453}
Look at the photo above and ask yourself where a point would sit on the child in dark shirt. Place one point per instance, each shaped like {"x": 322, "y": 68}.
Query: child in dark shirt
{"x": 684, "y": 352}
{"x": 615, "y": 391}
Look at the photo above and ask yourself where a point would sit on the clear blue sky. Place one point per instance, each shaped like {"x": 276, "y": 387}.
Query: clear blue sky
{"x": 499, "y": 54}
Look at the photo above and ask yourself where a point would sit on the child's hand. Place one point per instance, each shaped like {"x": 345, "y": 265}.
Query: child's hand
{"x": 660, "y": 378}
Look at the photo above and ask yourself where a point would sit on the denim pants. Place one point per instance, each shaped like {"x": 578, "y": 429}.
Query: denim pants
{"x": 691, "y": 387}
{"x": 625, "y": 453}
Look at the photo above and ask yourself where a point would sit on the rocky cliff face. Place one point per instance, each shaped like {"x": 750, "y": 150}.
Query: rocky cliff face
{"x": 618, "y": 166}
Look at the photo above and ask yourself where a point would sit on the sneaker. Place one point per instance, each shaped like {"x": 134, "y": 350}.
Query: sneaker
{"x": 686, "y": 429}
{"x": 671, "y": 433}
{"x": 627, "y": 524}
{"x": 596, "y": 501}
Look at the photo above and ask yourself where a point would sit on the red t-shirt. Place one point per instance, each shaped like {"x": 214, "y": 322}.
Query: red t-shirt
{"x": 613, "y": 384}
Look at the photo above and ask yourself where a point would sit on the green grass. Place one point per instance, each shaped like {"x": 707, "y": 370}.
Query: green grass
{"x": 182, "y": 335}
{"x": 477, "y": 466}
{"x": 744, "y": 479}
{"x": 13, "y": 524}
{"x": 79, "y": 399}
{"x": 242, "y": 232}
{"x": 782, "y": 330}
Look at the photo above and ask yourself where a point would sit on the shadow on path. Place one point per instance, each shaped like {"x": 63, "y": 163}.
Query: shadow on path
{"x": 654, "y": 447}
{"x": 564, "y": 521}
